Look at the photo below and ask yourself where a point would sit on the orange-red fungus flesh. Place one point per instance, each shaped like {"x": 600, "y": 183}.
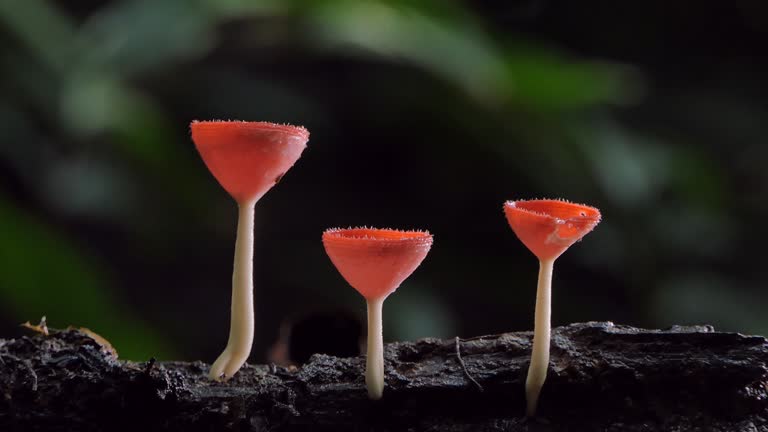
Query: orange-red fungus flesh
{"x": 376, "y": 261}
{"x": 248, "y": 158}
{"x": 549, "y": 227}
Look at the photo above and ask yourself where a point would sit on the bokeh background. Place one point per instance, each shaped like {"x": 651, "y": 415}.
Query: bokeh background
{"x": 423, "y": 114}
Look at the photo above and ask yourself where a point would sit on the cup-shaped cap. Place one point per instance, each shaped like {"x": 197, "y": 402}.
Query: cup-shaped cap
{"x": 549, "y": 227}
{"x": 248, "y": 158}
{"x": 376, "y": 261}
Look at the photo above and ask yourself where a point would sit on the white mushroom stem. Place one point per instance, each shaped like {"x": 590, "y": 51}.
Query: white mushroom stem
{"x": 374, "y": 362}
{"x": 241, "y": 327}
{"x": 537, "y": 371}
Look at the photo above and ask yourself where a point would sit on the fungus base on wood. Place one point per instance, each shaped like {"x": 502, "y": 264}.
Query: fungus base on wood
{"x": 602, "y": 377}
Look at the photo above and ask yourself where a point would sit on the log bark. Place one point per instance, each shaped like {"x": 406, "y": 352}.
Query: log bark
{"x": 602, "y": 377}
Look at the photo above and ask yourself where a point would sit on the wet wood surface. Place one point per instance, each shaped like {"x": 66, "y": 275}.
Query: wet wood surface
{"x": 602, "y": 377}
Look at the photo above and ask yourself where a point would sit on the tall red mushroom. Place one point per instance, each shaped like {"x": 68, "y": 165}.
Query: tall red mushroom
{"x": 247, "y": 159}
{"x": 375, "y": 262}
{"x": 547, "y": 228}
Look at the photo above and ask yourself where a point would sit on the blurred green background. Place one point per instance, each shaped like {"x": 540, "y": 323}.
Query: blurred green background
{"x": 423, "y": 114}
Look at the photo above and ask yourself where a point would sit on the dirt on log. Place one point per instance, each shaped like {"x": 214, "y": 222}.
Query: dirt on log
{"x": 602, "y": 377}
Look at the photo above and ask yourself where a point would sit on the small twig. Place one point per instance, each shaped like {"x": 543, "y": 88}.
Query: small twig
{"x": 464, "y": 365}
{"x": 39, "y": 328}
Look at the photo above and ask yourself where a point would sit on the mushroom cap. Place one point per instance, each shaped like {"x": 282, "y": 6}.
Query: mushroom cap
{"x": 549, "y": 227}
{"x": 376, "y": 261}
{"x": 248, "y": 158}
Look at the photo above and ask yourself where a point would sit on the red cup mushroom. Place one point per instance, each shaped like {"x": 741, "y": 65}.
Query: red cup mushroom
{"x": 247, "y": 159}
{"x": 375, "y": 262}
{"x": 547, "y": 228}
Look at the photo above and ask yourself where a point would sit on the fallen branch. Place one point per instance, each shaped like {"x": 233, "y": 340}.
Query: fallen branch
{"x": 602, "y": 378}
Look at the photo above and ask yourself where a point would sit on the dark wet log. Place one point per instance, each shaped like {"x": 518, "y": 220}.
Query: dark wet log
{"x": 602, "y": 377}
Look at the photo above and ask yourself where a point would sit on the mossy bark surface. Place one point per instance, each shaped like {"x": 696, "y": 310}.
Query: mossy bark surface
{"x": 602, "y": 377}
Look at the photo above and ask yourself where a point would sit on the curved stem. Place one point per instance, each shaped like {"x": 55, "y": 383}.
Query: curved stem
{"x": 537, "y": 371}
{"x": 241, "y": 327}
{"x": 374, "y": 361}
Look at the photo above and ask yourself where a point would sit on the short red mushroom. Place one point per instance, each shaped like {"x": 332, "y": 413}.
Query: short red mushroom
{"x": 247, "y": 159}
{"x": 375, "y": 262}
{"x": 547, "y": 228}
